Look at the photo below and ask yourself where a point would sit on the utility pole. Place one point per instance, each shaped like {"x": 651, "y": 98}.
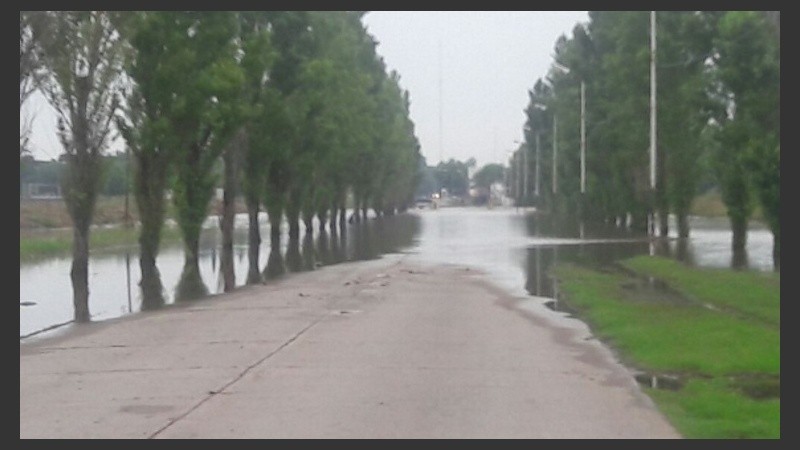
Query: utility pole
{"x": 583, "y": 137}
{"x": 536, "y": 174}
{"x": 518, "y": 157}
{"x": 524, "y": 149}
{"x": 555, "y": 153}
{"x": 653, "y": 116}
{"x": 127, "y": 218}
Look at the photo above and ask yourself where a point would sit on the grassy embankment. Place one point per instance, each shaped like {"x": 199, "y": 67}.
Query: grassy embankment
{"x": 45, "y": 228}
{"x": 715, "y": 335}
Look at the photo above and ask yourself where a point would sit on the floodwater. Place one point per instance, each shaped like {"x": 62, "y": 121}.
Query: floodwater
{"x": 515, "y": 247}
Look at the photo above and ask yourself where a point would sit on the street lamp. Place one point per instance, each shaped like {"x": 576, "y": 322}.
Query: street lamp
{"x": 583, "y": 125}
{"x": 543, "y": 108}
{"x": 555, "y": 147}
{"x": 523, "y": 171}
{"x": 555, "y": 153}
{"x": 651, "y": 229}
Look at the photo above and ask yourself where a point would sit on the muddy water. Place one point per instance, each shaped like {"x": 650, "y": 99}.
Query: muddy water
{"x": 515, "y": 247}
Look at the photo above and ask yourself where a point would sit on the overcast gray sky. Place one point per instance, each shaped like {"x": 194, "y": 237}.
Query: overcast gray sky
{"x": 487, "y": 61}
{"x": 484, "y": 61}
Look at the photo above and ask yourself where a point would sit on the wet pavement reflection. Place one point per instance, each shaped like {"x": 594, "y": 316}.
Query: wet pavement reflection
{"x": 515, "y": 247}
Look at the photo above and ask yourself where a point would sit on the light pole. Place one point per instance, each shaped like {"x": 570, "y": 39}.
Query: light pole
{"x": 536, "y": 173}
{"x": 583, "y": 125}
{"x": 523, "y": 171}
{"x": 555, "y": 153}
{"x": 524, "y": 150}
{"x": 652, "y": 226}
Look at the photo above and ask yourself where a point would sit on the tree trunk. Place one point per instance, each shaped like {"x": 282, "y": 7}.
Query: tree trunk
{"x": 739, "y": 228}
{"x": 253, "y": 242}
{"x": 663, "y": 221}
{"x": 739, "y": 243}
{"x": 334, "y": 216}
{"x": 322, "y": 216}
{"x": 739, "y": 259}
{"x": 776, "y": 250}
{"x": 229, "y": 158}
{"x": 150, "y": 178}
{"x": 294, "y": 261}
{"x": 293, "y": 218}
{"x": 152, "y": 289}
{"x": 342, "y": 217}
{"x": 682, "y": 251}
{"x": 322, "y": 247}
{"x": 80, "y": 187}
{"x": 308, "y": 221}
{"x": 356, "y": 217}
{"x": 191, "y": 286}
{"x": 639, "y": 221}
{"x": 80, "y": 272}
{"x": 275, "y": 266}
{"x": 309, "y": 262}
{"x": 683, "y": 224}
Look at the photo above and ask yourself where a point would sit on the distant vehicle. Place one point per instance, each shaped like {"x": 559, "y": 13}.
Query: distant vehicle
{"x": 424, "y": 202}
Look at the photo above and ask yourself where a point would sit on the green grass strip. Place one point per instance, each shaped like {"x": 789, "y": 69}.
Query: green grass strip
{"x": 713, "y": 348}
{"x": 59, "y": 242}
{"x": 749, "y": 292}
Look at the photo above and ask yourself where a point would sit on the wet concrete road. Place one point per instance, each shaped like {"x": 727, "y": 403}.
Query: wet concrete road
{"x": 383, "y": 349}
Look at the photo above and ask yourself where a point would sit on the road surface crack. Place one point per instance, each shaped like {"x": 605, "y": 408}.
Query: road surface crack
{"x": 215, "y": 392}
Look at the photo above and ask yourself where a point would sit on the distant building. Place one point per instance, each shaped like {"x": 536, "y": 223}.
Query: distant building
{"x": 37, "y": 191}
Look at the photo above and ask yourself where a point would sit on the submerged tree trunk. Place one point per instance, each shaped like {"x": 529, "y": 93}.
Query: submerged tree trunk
{"x": 639, "y": 220}
{"x": 739, "y": 259}
{"x": 191, "y": 286}
{"x": 253, "y": 242}
{"x": 79, "y": 274}
{"x": 739, "y": 228}
{"x": 683, "y": 224}
{"x": 293, "y": 259}
{"x": 739, "y": 243}
{"x": 309, "y": 257}
{"x": 663, "y": 221}
{"x": 152, "y": 289}
{"x": 81, "y": 183}
{"x": 333, "y": 218}
{"x": 322, "y": 248}
{"x": 274, "y": 213}
{"x": 275, "y": 266}
{"x": 342, "y": 217}
{"x": 682, "y": 251}
{"x": 776, "y": 250}
{"x": 308, "y": 221}
{"x": 293, "y": 219}
{"x": 322, "y": 216}
{"x": 230, "y": 161}
{"x": 150, "y": 180}
{"x": 356, "y": 217}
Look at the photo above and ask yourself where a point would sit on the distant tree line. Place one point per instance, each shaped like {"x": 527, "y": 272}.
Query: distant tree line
{"x": 718, "y": 119}
{"x": 292, "y": 110}
{"x": 116, "y": 176}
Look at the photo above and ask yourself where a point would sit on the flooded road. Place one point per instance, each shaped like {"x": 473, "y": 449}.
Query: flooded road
{"x": 516, "y": 248}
